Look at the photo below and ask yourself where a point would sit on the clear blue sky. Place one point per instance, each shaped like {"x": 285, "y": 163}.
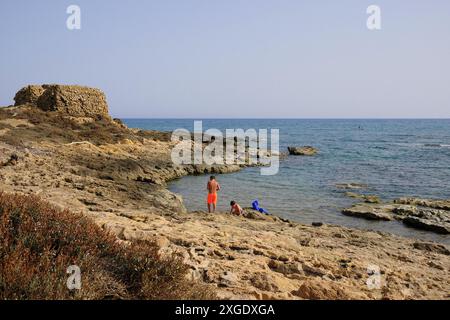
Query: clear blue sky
{"x": 229, "y": 58}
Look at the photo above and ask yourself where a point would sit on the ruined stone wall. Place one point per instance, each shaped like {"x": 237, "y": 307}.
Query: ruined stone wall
{"x": 28, "y": 95}
{"x": 76, "y": 101}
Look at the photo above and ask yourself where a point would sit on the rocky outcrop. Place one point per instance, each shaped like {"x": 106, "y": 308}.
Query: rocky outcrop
{"x": 411, "y": 212}
{"x": 366, "y": 198}
{"x": 436, "y": 204}
{"x": 427, "y": 224}
{"x": 351, "y": 185}
{"x": 370, "y": 212}
{"x": 257, "y": 259}
{"x": 430, "y": 215}
{"x": 302, "y": 151}
{"x": 76, "y": 101}
{"x": 425, "y": 218}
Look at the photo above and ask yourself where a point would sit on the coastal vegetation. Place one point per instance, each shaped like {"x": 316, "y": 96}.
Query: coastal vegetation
{"x": 38, "y": 242}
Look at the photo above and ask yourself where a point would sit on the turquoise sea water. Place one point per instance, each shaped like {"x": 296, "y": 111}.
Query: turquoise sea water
{"x": 394, "y": 158}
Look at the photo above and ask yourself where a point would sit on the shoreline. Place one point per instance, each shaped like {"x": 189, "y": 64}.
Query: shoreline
{"x": 118, "y": 177}
{"x": 399, "y": 229}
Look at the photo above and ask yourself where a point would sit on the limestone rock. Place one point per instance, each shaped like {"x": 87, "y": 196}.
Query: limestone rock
{"x": 369, "y": 212}
{"x": 318, "y": 289}
{"x": 12, "y": 161}
{"x": 265, "y": 281}
{"x": 428, "y": 224}
{"x": 285, "y": 268}
{"x": 424, "y": 218}
{"x": 416, "y": 213}
{"x": 431, "y": 247}
{"x": 436, "y": 204}
{"x": 249, "y": 213}
{"x": 366, "y": 198}
{"x": 302, "y": 151}
{"x": 405, "y": 210}
{"x": 228, "y": 279}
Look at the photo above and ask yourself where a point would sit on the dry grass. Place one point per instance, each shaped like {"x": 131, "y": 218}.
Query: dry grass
{"x": 38, "y": 242}
{"x": 59, "y": 128}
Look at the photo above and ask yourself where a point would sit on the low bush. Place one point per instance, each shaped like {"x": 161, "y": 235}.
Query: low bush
{"x": 38, "y": 242}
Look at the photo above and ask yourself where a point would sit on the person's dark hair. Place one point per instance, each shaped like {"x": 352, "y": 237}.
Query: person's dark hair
{"x": 212, "y": 178}
{"x": 232, "y": 203}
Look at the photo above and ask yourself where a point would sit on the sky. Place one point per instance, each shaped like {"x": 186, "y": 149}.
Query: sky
{"x": 236, "y": 59}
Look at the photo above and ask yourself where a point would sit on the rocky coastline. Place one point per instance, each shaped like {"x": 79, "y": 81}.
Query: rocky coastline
{"x": 424, "y": 214}
{"x": 55, "y": 144}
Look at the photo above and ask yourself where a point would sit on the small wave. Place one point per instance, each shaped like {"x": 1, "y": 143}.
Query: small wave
{"x": 406, "y": 144}
{"x": 427, "y": 145}
{"x": 436, "y": 145}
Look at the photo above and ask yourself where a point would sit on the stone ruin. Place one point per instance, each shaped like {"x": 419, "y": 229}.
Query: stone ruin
{"x": 76, "y": 101}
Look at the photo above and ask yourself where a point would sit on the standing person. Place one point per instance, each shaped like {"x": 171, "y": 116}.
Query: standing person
{"x": 212, "y": 187}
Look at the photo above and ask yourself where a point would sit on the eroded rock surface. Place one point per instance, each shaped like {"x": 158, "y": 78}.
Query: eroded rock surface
{"x": 416, "y": 213}
{"x": 436, "y": 204}
{"x": 366, "y": 198}
{"x": 302, "y": 151}
{"x": 370, "y": 212}
{"x": 431, "y": 220}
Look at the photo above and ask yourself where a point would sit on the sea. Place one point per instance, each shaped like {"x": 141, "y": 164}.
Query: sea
{"x": 394, "y": 158}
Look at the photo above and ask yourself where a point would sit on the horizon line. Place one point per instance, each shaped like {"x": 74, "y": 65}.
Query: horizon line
{"x": 268, "y": 118}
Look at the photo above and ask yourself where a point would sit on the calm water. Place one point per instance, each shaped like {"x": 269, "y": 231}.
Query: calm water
{"x": 394, "y": 157}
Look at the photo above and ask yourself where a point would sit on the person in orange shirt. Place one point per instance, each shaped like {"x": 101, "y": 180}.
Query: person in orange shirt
{"x": 212, "y": 187}
{"x": 235, "y": 208}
